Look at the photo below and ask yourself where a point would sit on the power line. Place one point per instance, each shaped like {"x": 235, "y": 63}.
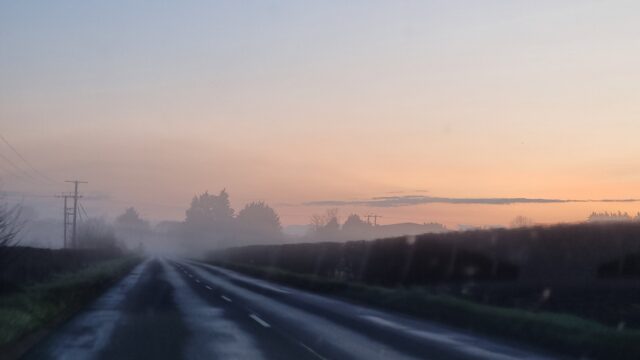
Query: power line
{"x": 9, "y": 171}
{"x": 86, "y": 217}
{"x": 26, "y": 162}
{"x": 80, "y": 216}
{"x": 22, "y": 195}
{"x": 19, "y": 169}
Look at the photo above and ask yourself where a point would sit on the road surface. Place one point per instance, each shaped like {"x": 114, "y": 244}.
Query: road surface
{"x": 167, "y": 309}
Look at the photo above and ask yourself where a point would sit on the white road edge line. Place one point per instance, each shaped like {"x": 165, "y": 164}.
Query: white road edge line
{"x": 225, "y": 298}
{"x": 260, "y": 321}
{"x": 313, "y": 352}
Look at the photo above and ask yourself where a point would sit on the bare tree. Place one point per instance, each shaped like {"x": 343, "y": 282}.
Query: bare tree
{"x": 9, "y": 225}
{"x": 326, "y": 225}
{"x": 96, "y": 233}
{"x": 320, "y": 221}
{"x": 317, "y": 222}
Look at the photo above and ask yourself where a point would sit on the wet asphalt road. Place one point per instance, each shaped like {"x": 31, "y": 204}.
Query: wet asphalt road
{"x": 186, "y": 310}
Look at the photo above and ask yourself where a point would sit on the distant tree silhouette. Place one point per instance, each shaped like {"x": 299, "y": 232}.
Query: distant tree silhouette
{"x": 354, "y": 227}
{"x": 611, "y": 217}
{"x": 131, "y": 228}
{"x": 325, "y": 225}
{"x": 258, "y": 222}
{"x": 131, "y": 219}
{"x": 210, "y": 217}
{"x": 208, "y": 209}
{"x": 354, "y": 221}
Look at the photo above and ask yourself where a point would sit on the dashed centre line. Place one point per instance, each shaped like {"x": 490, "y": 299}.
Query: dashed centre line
{"x": 225, "y": 298}
{"x": 260, "y": 321}
{"x": 208, "y": 287}
{"x": 198, "y": 281}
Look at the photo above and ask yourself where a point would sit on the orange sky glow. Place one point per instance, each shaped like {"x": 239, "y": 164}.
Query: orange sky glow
{"x": 293, "y": 104}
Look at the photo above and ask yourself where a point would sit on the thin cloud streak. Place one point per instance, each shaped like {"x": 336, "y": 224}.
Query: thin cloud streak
{"x": 409, "y": 200}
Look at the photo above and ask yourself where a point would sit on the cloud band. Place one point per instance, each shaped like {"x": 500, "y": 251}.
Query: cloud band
{"x": 409, "y": 200}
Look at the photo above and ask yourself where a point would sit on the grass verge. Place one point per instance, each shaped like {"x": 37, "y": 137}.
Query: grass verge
{"x": 562, "y": 333}
{"x": 36, "y": 306}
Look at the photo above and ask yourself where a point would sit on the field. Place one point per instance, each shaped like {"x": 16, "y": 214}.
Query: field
{"x": 22, "y": 266}
{"x": 562, "y": 333}
{"x": 571, "y": 288}
{"x": 590, "y": 270}
{"x": 43, "y": 299}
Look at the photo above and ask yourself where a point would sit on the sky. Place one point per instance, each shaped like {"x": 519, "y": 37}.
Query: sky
{"x": 310, "y": 104}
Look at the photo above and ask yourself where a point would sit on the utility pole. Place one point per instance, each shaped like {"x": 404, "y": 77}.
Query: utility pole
{"x": 375, "y": 219}
{"x": 67, "y": 212}
{"x": 75, "y": 196}
{"x": 65, "y": 221}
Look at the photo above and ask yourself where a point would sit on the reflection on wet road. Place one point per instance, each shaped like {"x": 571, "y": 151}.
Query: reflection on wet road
{"x": 181, "y": 309}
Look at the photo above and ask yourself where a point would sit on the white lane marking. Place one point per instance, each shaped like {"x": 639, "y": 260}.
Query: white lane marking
{"x": 209, "y": 287}
{"x": 259, "y": 321}
{"x": 226, "y": 298}
{"x": 313, "y": 352}
{"x": 247, "y": 279}
{"x": 198, "y": 281}
{"x": 204, "y": 322}
{"x": 190, "y": 275}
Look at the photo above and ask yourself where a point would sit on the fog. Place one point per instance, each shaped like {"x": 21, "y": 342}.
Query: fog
{"x": 267, "y": 162}
{"x": 210, "y": 223}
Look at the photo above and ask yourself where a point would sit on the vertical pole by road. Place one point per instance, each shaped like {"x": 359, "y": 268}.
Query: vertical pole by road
{"x": 74, "y": 239}
{"x": 75, "y": 215}
{"x": 66, "y": 220}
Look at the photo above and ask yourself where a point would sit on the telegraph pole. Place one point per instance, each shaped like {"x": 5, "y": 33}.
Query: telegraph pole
{"x": 66, "y": 214}
{"x": 66, "y": 221}
{"x": 375, "y": 219}
{"x": 75, "y": 196}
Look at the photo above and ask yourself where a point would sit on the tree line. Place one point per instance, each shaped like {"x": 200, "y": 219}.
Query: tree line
{"x": 606, "y": 216}
{"x": 575, "y": 254}
{"x": 210, "y": 222}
